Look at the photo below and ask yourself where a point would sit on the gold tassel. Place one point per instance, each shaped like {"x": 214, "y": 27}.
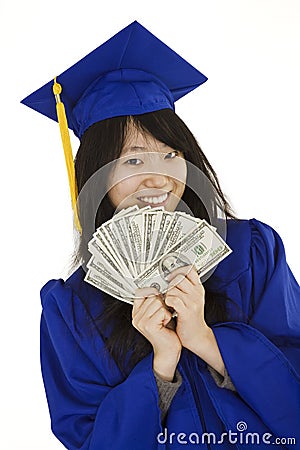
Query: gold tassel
{"x": 66, "y": 142}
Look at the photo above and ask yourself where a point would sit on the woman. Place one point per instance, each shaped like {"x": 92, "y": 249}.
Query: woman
{"x": 121, "y": 377}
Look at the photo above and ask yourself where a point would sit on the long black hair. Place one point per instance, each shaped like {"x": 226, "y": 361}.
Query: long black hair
{"x": 103, "y": 143}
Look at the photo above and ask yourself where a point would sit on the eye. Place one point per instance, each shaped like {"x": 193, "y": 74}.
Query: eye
{"x": 133, "y": 162}
{"x": 172, "y": 154}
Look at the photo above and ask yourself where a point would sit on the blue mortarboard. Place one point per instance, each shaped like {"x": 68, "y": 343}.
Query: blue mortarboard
{"x": 132, "y": 73}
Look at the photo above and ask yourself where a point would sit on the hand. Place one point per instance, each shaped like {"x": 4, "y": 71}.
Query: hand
{"x": 150, "y": 317}
{"x": 187, "y": 296}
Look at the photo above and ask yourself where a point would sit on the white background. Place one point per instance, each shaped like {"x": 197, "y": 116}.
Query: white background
{"x": 246, "y": 118}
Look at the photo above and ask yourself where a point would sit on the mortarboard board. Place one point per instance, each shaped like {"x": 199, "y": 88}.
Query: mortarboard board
{"x": 132, "y": 73}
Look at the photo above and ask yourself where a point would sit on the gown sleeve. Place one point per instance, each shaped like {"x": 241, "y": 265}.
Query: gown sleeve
{"x": 91, "y": 406}
{"x": 262, "y": 356}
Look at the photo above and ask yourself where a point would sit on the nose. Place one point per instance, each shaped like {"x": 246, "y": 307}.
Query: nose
{"x": 156, "y": 180}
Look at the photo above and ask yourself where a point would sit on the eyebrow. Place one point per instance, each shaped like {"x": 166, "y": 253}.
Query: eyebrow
{"x": 137, "y": 148}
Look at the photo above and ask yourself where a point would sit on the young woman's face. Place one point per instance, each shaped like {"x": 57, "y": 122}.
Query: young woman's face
{"x": 148, "y": 172}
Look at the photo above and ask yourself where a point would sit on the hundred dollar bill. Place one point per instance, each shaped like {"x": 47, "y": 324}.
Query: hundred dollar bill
{"x": 108, "y": 239}
{"x": 202, "y": 247}
{"x": 168, "y": 232}
{"x": 133, "y": 224}
{"x": 111, "y": 275}
{"x": 160, "y": 232}
{"x": 104, "y": 285}
{"x": 149, "y": 220}
{"x": 117, "y": 237}
{"x": 156, "y": 231}
{"x": 97, "y": 249}
{"x": 100, "y": 247}
{"x": 180, "y": 225}
{"x": 183, "y": 225}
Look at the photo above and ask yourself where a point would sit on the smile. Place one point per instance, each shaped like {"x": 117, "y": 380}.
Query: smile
{"x": 155, "y": 200}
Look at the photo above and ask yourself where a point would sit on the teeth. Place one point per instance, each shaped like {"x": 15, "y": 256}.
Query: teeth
{"x": 154, "y": 200}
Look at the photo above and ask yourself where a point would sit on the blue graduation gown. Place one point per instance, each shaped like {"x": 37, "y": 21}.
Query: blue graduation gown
{"x": 93, "y": 406}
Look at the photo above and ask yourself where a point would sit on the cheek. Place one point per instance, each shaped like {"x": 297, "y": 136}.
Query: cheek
{"x": 122, "y": 190}
{"x": 178, "y": 170}
{"x": 180, "y": 185}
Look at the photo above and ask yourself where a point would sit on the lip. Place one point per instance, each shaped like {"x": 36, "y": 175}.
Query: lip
{"x": 156, "y": 204}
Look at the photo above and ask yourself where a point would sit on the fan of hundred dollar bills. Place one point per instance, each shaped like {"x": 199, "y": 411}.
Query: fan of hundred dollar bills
{"x": 140, "y": 247}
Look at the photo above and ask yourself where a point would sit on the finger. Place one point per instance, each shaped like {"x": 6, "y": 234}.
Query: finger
{"x": 139, "y": 308}
{"x": 174, "y": 291}
{"x": 182, "y": 283}
{"x": 162, "y": 315}
{"x": 146, "y": 307}
{"x": 140, "y": 293}
{"x": 180, "y": 270}
{"x": 151, "y": 306}
{"x": 140, "y": 303}
{"x": 175, "y": 302}
{"x": 189, "y": 272}
{"x": 193, "y": 276}
{"x": 158, "y": 318}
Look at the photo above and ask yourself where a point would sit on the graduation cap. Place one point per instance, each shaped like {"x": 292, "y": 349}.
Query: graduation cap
{"x": 132, "y": 73}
